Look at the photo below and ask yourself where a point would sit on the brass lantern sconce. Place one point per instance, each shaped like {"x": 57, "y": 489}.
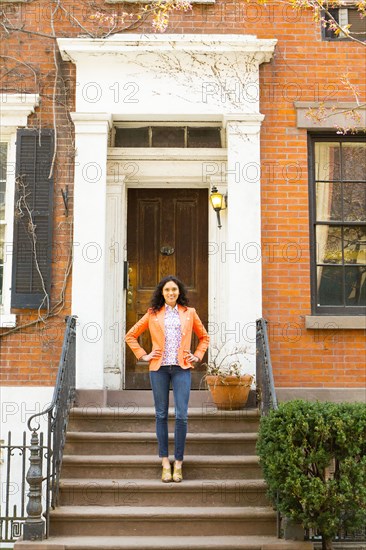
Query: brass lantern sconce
{"x": 219, "y": 202}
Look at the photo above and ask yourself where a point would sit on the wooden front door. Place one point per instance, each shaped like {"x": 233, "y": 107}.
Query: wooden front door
{"x": 167, "y": 234}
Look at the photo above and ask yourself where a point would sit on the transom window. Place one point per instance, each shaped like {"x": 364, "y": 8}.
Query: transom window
{"x": 3, "y": 164}
{"x": 168, "y": 136}
{"x": 338, "y": 224}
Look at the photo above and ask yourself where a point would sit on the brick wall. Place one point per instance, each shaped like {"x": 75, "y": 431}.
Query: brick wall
{"x": 303, "y": 68}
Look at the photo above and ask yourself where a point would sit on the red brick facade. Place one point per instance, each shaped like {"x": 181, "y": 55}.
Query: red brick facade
{"x": 304, "y": 68}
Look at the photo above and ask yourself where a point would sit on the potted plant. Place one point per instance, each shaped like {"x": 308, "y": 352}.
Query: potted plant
{"x": 227, "y": 377}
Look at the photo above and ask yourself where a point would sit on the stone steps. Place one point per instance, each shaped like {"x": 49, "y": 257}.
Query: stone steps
{"x": 111, "y": 496}
{"x": 151, "y": 492}
{"x": 83, "y": 443}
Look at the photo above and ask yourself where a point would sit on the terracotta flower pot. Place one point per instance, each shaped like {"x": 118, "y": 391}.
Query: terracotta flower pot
{"x": 229, "y": 392}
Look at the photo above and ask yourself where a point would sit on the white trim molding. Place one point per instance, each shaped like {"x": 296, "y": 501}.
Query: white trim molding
{"x": 73, "y": 48}
{"x": 15, "y": 109}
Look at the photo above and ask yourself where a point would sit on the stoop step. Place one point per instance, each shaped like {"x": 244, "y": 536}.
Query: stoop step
{"x": 149, "y": 467}
{"x": 158, "y": 520}
{"x": 152, "y": 492}
{"x": 145, "y": 443}
{"x": 165, "y": 543}
{"x": 135, "y": 418}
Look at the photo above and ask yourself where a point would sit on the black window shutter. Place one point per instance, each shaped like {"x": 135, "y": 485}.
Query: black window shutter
{"x": 33, "y": 162}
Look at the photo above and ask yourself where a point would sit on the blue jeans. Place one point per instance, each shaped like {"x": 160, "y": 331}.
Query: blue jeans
{"x": 160, "y": 384}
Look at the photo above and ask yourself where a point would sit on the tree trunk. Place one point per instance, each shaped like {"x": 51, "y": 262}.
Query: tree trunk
{"x": 327, "y": 543}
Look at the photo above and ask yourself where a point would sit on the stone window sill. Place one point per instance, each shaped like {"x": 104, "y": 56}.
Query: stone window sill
{"x": 7, "y": 320}
{"x": 333, "y": 322}
{"x": 140, "y": 1}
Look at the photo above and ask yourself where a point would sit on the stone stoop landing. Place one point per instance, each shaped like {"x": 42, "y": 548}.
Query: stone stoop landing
{"x": 111, "y": 496}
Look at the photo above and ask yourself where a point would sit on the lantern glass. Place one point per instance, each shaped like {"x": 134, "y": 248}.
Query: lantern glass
{"x": 216, "y": 200}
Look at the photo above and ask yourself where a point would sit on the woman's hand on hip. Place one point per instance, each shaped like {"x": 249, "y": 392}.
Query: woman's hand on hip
{"x": 190, "y": 357}
{"x": 153, "y": 355}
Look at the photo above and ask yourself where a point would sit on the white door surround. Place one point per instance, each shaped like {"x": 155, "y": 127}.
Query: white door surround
{"x": 164, "y": 78}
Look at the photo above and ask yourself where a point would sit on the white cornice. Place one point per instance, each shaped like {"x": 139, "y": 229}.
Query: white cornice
{"x": 72, "y": 48}
{"x": 15, "y": 108}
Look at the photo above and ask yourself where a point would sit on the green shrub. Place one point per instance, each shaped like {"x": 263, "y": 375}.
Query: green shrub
{"x": 313, "y": 457}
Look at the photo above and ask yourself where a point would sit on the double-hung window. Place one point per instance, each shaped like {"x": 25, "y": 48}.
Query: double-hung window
{"x": 338, "y": 224}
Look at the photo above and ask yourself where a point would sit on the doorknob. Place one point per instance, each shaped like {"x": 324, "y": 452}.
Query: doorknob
{"x": 129, "y": 295}
{"x": 167, "y": 250}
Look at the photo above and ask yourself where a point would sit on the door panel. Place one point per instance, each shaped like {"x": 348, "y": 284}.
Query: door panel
{"x": 167, "y": 234}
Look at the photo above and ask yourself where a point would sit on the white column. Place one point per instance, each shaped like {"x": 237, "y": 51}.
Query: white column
{"x": 242, "y": 252}
{"x": 88, "y": 278}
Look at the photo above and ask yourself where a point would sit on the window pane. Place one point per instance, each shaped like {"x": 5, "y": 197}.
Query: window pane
{"x": 328, "y": 201}
{"x": 132, "y": 137}
{"x": 354, "y": 161}
{"x": 167, "y": 136}
{"x": 329, "y": 244}
{"x": 204, "y": 137}
{"x": 329, "y": 33}
{"x": 2, "y": 239}
{"x": 3, "y": 152}
{"x": 354, "y": 243}
{"x": 327, "y": 163}
{"x": 2, "y": 200}
{"x": 354, "y": 202}
{"x": 358, "y": 23}
{"x": 330, "y": 283}
{"x": 355, "y": 279}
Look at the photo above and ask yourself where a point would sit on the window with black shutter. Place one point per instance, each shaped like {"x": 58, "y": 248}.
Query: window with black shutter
{"x": 31, "y": 274}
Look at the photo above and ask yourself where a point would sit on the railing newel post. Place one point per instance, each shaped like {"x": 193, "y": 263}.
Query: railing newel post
{"x": 34, "y": 524}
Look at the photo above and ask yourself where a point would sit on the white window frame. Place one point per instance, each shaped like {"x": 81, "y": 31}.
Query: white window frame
{"x": 14, "y": 111}
{"x": 7, "y": 318}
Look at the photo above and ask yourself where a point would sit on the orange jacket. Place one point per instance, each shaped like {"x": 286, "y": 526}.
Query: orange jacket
{"x": 189, "y": 321}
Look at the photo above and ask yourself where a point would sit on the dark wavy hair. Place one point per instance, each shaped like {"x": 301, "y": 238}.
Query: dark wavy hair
{"x": 157, "y": 300}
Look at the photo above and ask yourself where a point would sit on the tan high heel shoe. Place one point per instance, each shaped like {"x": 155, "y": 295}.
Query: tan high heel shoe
{"x": 177, "y": 473}
{"x": 166, "y": 474}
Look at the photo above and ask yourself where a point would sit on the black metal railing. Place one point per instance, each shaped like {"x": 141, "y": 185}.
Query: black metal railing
{"x": 32, "y": 519}
{"x": 266, "y": 392}
{"x": 343, "y": 535}
{"x": 14, "y": 458}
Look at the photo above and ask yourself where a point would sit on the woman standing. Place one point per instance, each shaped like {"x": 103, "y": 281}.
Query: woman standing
{"x": 170, "y": 322}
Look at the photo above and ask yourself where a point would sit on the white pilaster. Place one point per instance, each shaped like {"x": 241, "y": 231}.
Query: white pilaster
{"x": 88, "y": 282}
{"x": 242, "y": 251}
{"x": 114, "y": 282}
